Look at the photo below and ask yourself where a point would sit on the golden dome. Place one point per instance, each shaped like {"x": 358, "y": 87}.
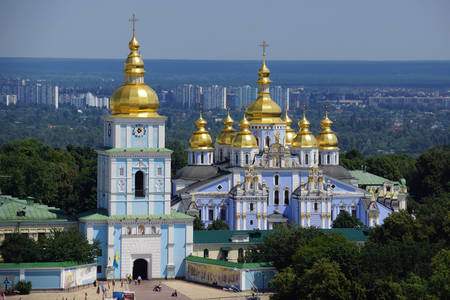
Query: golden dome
{"x": 326, "y": 139}
{"x": 200, "y": 140}
{"x": 245, "y": 138}
{"x": 134, "y": 98}
{"x": 227, "y": 134}
{"x": 304, "y": 137}
{"x": 290, "y": 133}
{"x": 264, "y": 109}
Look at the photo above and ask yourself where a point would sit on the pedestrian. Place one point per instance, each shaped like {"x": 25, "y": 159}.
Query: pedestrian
{"x": 174, "y": 294}
{"x": 121, "y": 283}
{"x": 139, "y": 279}
{"x": 135, "y": 282}
{"x": 85, "y": 296}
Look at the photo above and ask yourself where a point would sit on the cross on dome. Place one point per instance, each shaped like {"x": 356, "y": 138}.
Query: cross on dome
{"x": 264, "y": 45}
{"x": 133, "y": 20}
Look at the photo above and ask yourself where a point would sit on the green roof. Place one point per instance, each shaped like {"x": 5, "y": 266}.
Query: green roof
{"x": 102, "y": 214}
{"x": 366, "y": 178}
{"x": 351, "y": 234}
{"x": 137, "y": 150}
{"x": 224, "y": 236}
{"x": 229, "y": 263}
{"x": 17, "y": 210}
{"x": 63, "y": 264}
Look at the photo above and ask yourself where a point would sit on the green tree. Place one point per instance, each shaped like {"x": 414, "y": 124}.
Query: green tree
{"x": 218, "y": 225}
{"x": 440, "y": 279}
{"x": 198, "y": 224}
{"x": 352, "y": 160}
{"x": 345, "y": 220}
{"x": 18, "y": 248}
{"x": 179, "y": 156}
{"x": 385, "y": 290}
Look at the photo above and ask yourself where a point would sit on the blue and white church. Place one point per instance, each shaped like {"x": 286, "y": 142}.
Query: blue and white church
{"x": 138, "y": 231}
{"x": 266, "y": 174}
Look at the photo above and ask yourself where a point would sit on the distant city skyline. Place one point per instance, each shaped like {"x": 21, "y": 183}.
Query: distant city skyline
{"x": 228, "y": 30}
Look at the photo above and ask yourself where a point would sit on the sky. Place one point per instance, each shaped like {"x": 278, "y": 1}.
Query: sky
{"x": 228, "y": 29}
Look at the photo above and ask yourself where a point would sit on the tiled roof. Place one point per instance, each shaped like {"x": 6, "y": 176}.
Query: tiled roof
{"x": 17, "y": 210}
{"x": 366, "y": 178}
{"x": 229, "y": 263}
{"x": 351, "y": 234}
{"x": 224, "y": 236}
{"x": 63, "y": 264}
{"x": 102, "y": 214}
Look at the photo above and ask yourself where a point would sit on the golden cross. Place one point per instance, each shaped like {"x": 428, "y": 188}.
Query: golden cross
{"x": 264, "y": 45}
{"x": 133, "y": 20}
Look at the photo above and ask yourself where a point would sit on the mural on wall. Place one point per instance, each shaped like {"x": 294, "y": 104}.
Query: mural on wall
{"x": 69, "y": 278}
{"x": 6, "y": 282}
{"x": 79, "y": 276}
{"x": 211, "y": 274}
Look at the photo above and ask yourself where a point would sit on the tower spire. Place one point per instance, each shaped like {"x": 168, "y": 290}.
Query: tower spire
{"x": 133, "y": 20}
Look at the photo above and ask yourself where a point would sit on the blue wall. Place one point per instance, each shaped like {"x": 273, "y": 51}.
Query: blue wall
{"x": 14, "y": 273}
{"x": 43, "y": 279}
{"x": 179, "y": 249}
{"x": 254, "y": 278}
{"x": 164, "y": 249}
{"x": 101, "y": 234}
{"x": 118, "y": 248}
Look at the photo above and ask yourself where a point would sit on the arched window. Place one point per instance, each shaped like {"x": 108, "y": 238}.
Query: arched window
{"x": 251, "y": 206}
{"x": 193, "y": 157}
{"x": 221, "y": 155}
{"x": 306, "y": 159}
{"x": 315, "y": 158}
{"x": 257, "y": 141}
{"x": 328, "y": 158}
{"x": 206, "y": 253}
{"x": 202, "y": 158}
{"x": 286, "y": 197}
{"x": 139, "y": 184}
{"x": 237, "y": 158}
{"x": 276, "y": 198}
{"x": 246, "y": 158}
{"x": 277, "y": 180}
{"x": 320, "y": 159}
{"x": 335, "y": 159}
{"x": 316, "y": 206}
{"x": 141, "y": 229}
{"x": 267, "y": 141}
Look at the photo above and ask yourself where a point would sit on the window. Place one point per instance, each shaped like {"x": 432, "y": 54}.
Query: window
{"x": 100, "y": 252}
{"x": 277, "y": 179}
{"x": 316, "y": 206}
{"x": 240, "y": 253}
{"x": 202, "y": 158}
{"x": 223, "y": 215}
{"x": 251, "y": 222}
{"x": 219, "y": 187}
{"x": 121, "y": 171}
{"x": 99, "y": 269}
{"x": 306, "y": 159}
{"x": 221, "y": 155}
{"x": 159, "y": 171}
{"x": 211, "y": 214}
{"x": 139, "y": 184}
{"x": 246, "y": 158}
{"x": 237, "y": 158}
{"x": 267, "y": 141}
{"x": 251, "y": 206}
{"x": 315, "y": 159}
{"x": 354, "y": 211}
{"x": 276, "y": 197}
{"x": 320, "y": 159}
{"x": 200, "y": 214}
{"x": 257, "y": 141}
{"x": 141, "y": 229}
{"x": 206, "y": 253}
{"x": 286, "y": 197}
{"x": 328, "y": 158}
{"x": 193, "y": 157}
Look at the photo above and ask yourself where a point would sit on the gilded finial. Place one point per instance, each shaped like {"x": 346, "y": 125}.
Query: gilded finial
{"x": 264, "y": 45}
{"x": 133, "y": 20}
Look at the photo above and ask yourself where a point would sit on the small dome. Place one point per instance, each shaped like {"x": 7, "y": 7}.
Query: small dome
{"x": 200, "y": 140}
{"x": 244, "y": 138}
{"x": 304, "y": 137}
{"x": 134, "y": 98}
{"x": 290, "y": 133}
{"x": 326, "y": 139}
{"x": 227, "y": 134}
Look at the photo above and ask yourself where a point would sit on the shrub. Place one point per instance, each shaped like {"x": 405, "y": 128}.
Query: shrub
{"x": 24, "y": 287}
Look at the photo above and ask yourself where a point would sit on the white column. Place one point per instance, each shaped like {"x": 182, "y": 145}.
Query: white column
{"x": 161, "y": 138}
{"x": 110, "y": 244}
{"x": 22, "y": 274}
{"x": 129, "y": 129}
{"x": 189, "y": 239}
{"x": 170, "y": 246}
{"x": 167, "y": 186}
{"x": 89, "y": 233}
{"x": 116, "y": 137}
{"x": 129, "y": 167}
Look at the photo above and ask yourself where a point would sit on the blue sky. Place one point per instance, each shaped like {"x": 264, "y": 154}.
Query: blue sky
{"x": 228, "y": 29}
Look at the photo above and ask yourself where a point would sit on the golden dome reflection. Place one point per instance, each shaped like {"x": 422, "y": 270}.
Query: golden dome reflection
{"x": 134, "y": 98}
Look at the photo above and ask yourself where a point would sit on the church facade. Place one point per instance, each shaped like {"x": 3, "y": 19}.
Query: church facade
{"x": 138, "y": 231}
{"x": 266, "y": 174}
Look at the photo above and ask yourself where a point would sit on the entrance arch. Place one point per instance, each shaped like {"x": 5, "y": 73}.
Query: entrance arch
{"x": 140, "y": 268}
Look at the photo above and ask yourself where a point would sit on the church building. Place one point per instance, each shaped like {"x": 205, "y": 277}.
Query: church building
{"x": 266, "y": 174}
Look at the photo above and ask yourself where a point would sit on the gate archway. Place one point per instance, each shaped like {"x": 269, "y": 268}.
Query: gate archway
{"x": 140, "y": 268}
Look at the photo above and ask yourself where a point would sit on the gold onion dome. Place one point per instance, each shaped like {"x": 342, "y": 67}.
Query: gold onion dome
{"x": 227, "y": 134}
{"x": 290, "y": 133}
{"x": 264, "y": 109}
{"x": 245, "y": 138}
{"x": 200, "y": 140}
{"x": 134, "y": 98}
{"x": 304, "y": 137}
{"x": 326, "y": 139}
